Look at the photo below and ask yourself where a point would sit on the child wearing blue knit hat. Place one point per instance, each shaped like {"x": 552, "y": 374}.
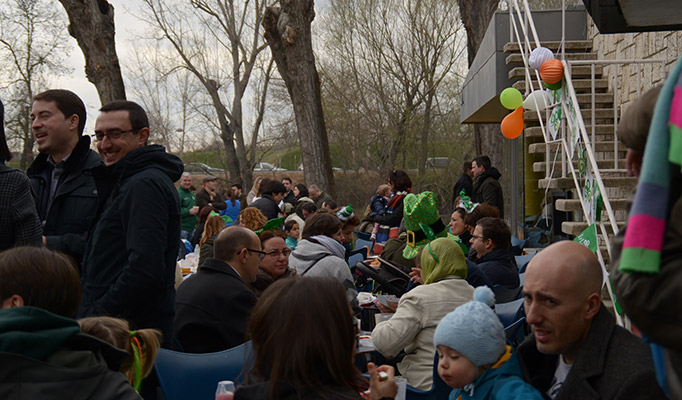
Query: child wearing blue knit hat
{"x": 473, "y": 356}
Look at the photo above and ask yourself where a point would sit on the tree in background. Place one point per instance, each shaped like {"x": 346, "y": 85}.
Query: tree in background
{"x": 288, "y": 33}
{"x": 31, "y": 52}
{"x": 92, "y": 24}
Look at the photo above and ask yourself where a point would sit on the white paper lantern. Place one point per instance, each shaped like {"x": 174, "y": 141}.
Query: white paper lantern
{"x": 543, "y": 98}
{"x": 539, "y": 56}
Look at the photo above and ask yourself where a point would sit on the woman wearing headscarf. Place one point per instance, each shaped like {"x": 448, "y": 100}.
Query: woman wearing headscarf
{"x": 411, "y": 328}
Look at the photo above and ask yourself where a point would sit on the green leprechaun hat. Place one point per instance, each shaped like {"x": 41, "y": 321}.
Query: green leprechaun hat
{"x": 422, "y": 222}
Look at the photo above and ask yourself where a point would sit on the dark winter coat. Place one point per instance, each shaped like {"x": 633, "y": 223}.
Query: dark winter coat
{"x": 499, "y": 266}
{"x": 129, "y": 264}
{"x": 213, "y": 309}
{"x": 612, "y": 364}
{"x": 204, "y": 199}
{"x": 487, "y": 189}
{"x": 463, "y": 183}
{"x": 19, "y": 223}
{"x": 377, "y": 205}
{"x": 393, "y": 219}
{"x": 74, "y": 208}
{"x": 44, "y": 356}
{"x": 267, "y": 205}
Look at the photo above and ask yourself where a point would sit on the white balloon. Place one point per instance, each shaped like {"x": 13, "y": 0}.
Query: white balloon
{"x": 543, "y": 98}
{"x": 539, "y": 56}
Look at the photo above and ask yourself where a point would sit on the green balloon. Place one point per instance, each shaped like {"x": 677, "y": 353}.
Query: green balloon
{"x": 511, "y": 98}
{"x": 552, "y": 86}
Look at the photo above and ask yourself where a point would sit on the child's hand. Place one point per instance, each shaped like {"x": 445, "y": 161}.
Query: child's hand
{"x": 378, "y": 388}
{"x": 416, "y": 276}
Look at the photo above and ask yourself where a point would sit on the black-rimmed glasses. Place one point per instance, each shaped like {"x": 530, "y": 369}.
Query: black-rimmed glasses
{"x": 261, "y": 254}
{"x": 113, "y": 135}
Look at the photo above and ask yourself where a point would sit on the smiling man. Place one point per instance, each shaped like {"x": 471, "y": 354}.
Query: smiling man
{"x": 62, "y": 175}
{"x": 129, "y": 264}
{"x": 577, "y": 351}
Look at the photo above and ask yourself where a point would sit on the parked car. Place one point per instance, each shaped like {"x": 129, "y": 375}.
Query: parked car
{"x": 335, "y": 169}
{"x": 438, "y": 162}
{"x": 201, "y": 168}
{"x": 266, "y": 167}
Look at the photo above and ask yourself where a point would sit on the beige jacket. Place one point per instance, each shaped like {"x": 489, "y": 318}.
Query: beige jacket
{"x": 412, "y": 326}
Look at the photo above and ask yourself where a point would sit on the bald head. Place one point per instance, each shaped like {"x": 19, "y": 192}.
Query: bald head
{"x": 231, "y": 240}
{"x": 570, "y": 262}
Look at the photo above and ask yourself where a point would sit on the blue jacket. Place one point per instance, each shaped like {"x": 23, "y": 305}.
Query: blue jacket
{"x": 503, "y": 380}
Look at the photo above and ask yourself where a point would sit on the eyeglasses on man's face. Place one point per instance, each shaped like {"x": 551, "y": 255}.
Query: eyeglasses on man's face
{"x": 113, "y": 134}
{"x": 261, "y": 254}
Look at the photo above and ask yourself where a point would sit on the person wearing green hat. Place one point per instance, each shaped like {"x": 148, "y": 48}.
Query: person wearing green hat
{"x": 411, "y": 328}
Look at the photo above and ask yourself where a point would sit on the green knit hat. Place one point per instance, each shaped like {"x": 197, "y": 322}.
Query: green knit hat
{"x": 422, "y": 222}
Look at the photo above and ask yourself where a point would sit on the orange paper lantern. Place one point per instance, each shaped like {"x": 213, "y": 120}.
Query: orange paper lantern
{"x": 552, "y": 71}
{"x": 512, "y": 124}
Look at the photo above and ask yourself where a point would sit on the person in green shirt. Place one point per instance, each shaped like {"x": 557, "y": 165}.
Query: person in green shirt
{"x": 188, "y": 206}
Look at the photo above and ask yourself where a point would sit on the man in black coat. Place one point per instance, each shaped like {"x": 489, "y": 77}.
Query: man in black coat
{"x": 491, "y": 251}
{"x": 577, "y": 351}
{"x": 487, "y": 189}
{"x": 62, "y": 176}
{"x": 464, "y": 183}
{"x": 209, "y": 196}
{"x": 214, "y": 305}
{"x": 289, "y": 193}
{"x": 273, "y": 193}
{"x": 130, "y": 259}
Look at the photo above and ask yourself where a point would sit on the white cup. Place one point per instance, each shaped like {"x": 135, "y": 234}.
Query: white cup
{"x": 402, "y": 388}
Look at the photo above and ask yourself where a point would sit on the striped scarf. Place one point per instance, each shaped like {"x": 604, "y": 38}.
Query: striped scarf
{"x": 647, "y": 221}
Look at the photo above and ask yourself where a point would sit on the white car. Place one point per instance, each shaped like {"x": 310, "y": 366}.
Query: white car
{"x": 266, "y": 167}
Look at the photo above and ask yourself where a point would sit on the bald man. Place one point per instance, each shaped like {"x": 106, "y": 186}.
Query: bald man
{"x": 576, "y": 350}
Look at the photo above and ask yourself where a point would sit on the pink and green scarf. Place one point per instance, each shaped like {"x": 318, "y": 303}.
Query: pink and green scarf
{"x": 647, "y": 221}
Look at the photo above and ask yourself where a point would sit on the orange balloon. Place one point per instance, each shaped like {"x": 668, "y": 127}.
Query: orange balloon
{"x": 552, "y": 71}
{"x": 512, "y": 124}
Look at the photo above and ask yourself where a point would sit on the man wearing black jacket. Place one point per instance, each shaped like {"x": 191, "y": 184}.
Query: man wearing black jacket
{"x": 487, "y": 189}
{"x": 62, "y": 175}
{"x": 129, "y": 262}
{"x": 273, "y": 193}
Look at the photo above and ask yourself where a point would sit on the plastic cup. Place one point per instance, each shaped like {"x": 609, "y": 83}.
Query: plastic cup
{"x": 225, "y": 391}
{"x": 402, "y": 388}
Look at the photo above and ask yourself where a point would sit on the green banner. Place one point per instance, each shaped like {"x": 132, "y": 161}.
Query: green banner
{"x": 588, "y": 238}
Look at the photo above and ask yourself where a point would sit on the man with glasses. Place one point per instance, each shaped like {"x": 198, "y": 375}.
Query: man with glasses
{"x": 491, "y": 251}
{"x": 62, "y": 177}
{"x": 129, "y": 263}
{"x": 214, "y": 305}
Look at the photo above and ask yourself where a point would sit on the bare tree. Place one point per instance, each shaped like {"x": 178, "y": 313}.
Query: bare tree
{"x": 92, "y": 24}
{"x": 287, "y": 31}
{"x": 199, "y": 35}
{"x": 29, "y": 44}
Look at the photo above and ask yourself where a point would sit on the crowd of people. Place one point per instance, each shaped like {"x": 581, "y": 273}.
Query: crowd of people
{"x": 92, "y": 241}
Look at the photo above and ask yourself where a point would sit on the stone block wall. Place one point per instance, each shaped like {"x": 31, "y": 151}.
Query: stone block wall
{"x": 664, "y": 45}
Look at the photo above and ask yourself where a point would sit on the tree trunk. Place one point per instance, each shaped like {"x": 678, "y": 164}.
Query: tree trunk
{"x": 476, "y": 15}
{"x": 226, "y": 132}
{"x": 91, "y": 22}
{"x": 287, "y": 31}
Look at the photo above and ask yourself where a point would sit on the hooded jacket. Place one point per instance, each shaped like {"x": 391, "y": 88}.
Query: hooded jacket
{"x": 44, "y": 356}
{"x": 75, "y": 203}
{"x": 487, "y": 189}
{"x": 129, "y": 264}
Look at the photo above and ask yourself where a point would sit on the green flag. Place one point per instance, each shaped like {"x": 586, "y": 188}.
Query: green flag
{"x": 588, "y": 238}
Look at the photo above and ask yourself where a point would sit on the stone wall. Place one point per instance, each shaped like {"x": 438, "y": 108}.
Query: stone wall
{"x": 665, "y": 45}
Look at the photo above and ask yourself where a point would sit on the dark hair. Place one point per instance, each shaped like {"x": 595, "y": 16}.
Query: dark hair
{"x": 482, "y": 160}
{"x": 231, "y": 241}
{"x": 308, "y": 206}
{"x": 232, "y": 196}
{"x": 331, "y": 204}
{"x": 286, "y": 178}
{"x": 401, "y": 181}
{"x": 321, "y": 224}
{"x": 482, "y": 210}
{"x": 269, "y": 234}
{"x": 237, "y": 185}
{"x": 67, "y": 102}
{"x": 302, "y": 190}
{"x": 136, "y": 114}
{"x": 5, "y": 153}
{"x": 354, "y": 220}
{"x": 496, "y": 230}
{"x": 43, "y": 278}
{"x": 272, "y": 187}
{"x": 310, "y": 350}
{"x": 461, "y": 211}
{"x": 261, "y": 186}
{"x": 290, "y": 224}
{"x": 203, "y": 214}
{"x": 466, "y": 166}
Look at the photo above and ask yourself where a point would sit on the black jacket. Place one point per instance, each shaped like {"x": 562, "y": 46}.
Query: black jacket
{"x": 267, "y": 206}
{"x": 612, "y": 364}
{"x": 129, "y": 264}
{"x": 290, "y": 198}
{"x": 74, "y": 207}
{"x": 463, "y": 183}
{"x": 19, "y": 223}
{"x": 204, "y": 199}
{"x": 259, "y": 391}
{"x": 392, "y": 219}
{"x": 213, "y": 308}
{"x": 499, "y": 266}
{"x": 487, "y": 189}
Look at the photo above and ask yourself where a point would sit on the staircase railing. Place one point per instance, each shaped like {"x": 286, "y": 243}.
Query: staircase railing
{"x": 573, "y": 128}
